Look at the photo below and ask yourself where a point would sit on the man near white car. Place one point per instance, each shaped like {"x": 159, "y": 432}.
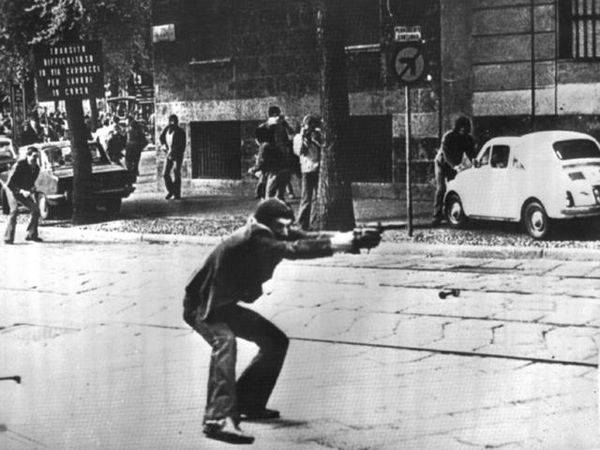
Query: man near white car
{"x": 457, "y": 144}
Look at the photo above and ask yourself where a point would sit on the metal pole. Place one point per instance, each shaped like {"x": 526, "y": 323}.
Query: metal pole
{"x": 532, "y": 14}
{"x": 407, "y": 134}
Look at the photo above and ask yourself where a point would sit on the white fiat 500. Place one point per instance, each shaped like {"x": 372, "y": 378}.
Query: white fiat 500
{"x": 535, "y": 179}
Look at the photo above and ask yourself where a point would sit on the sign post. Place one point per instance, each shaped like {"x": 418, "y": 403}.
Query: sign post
{"x": 409, "y": 65}
{"x": 73, "y": 71}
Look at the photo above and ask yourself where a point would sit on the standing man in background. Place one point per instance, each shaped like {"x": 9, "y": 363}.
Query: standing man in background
{"x": 136, "y": 141}
{"x": 282, "y": 133}
{"x": 173, "y": 141}
{"x": 457, "y": 144}
{"x": 307, "y": 145}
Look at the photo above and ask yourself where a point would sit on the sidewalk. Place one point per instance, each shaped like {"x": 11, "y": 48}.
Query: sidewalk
{"x": 204, "y": 219}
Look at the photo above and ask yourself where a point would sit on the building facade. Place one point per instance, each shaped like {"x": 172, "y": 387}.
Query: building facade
{"x": 229, "y": 60}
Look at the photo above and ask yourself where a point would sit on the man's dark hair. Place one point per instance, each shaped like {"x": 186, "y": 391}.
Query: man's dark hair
{"x": 31, "y": 150}
{"x": 462, "y": 122}
{"x": 173, "y": 118}
{"x": 263, "y": 134}
{"x": 274, "y": 111}
{"x": 272, "y": 209}
{"x": 115, "y": 119}
{"x": 106, "y": 122}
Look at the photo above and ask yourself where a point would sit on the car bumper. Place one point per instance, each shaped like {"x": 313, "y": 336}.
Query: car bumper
{"x": 581, "y": 211}
{"x": 56, "y": 199}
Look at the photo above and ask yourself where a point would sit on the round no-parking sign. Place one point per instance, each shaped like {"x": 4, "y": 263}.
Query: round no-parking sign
{"x": 409, "y": 64}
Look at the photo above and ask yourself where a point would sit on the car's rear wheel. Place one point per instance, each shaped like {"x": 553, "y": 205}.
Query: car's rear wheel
{"x": 536, "y": 221}
{"x": 455, "y": 212}
{"x": 43, "y": 205}
{"x": 113, "y": 205}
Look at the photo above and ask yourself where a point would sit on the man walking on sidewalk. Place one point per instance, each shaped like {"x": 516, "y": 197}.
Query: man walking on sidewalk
{"x": 173, "y": 140}
{"x": 20, "y": 188}
{"x": 233, "y": 272}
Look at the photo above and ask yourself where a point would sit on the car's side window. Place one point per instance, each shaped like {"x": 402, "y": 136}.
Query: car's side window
{"x": 500, "y": 154}
{"x": 484, "y": 159}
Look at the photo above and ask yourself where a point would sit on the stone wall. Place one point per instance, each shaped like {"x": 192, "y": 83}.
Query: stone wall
{"x": 567, "y": 91}
{"x": 232, "y": 59}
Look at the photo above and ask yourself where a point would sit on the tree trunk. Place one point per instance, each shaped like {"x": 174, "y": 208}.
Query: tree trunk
{"x": 93, "y": 114}
{"x": 334, "y": 209}
{"x": 82, "y": 162}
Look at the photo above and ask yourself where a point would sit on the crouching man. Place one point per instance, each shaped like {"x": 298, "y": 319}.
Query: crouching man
{"x": 233, "y": 272}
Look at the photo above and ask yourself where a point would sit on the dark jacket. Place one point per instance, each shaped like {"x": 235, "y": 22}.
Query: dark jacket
{"x": 135, "y": 135}
{"x": 31, "y": 136}
{"x": 22, "y": 176}
{"x": 454, "y": 145}
{"x": 237, "y": 268}
{"x": 270, "y": 159}
{"x": 178, "y": 147}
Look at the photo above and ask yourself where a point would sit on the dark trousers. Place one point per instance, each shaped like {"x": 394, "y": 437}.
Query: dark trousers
{"x": 13, "y": 199}
{"x": 173, "y": 183}
{"x": 310, "y": 182}
{"x": 443, "y": 173}
{"x": 440, "y": 188}
{"x": 276, "y": 184}
{"x": 133, "y": 152}
{"x": 226, "y": 397}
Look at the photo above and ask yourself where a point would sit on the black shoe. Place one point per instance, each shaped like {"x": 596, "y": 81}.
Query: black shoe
{"x": 226, "y": 430}
{"x": 260, "y": 414}
{"x": 177, "y": 197}
{"x": 9, "y": 242}
{"x": 34, "y": 239}
{"x": 168, "y": 197}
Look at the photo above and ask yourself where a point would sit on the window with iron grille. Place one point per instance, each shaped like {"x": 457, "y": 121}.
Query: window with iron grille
{"x": 579, "y": 29}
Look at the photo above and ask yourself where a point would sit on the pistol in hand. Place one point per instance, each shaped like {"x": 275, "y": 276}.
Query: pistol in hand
{"x": 366, "y": 237}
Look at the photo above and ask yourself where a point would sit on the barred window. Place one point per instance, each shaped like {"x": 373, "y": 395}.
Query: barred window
{"x": 579, "y": 29}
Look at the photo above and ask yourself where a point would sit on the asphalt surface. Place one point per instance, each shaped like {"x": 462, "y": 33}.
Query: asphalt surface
{"x": 377, "y": 359}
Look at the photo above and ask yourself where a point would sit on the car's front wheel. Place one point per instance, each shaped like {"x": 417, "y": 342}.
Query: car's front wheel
{"x": 455, "y": 212}
{"x": 536, "y": 221}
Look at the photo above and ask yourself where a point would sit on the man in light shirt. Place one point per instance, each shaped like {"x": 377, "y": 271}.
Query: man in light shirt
{"x": 307, "y": 145}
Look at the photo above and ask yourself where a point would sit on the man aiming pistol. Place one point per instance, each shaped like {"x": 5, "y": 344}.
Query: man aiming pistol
{"x": 234, "y": 272}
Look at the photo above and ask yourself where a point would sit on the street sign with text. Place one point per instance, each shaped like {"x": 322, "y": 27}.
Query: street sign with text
{"x": 69, "y": 70}
{"x": 163, "y": 33}
{"x": 407, "y": 34}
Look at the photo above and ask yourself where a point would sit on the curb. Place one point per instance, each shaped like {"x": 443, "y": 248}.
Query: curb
{"x": 466, "y": 251}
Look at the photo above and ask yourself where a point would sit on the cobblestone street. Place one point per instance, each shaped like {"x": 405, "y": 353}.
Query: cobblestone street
{"x": 377, "y": 359}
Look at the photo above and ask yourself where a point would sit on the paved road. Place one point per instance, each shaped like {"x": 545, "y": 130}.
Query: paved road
{"x": 377, "y": 360}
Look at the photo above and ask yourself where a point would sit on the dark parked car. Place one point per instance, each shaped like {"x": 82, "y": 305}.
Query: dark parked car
{"x": 110, "y": 182}
{"x": 7, "y": 154}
